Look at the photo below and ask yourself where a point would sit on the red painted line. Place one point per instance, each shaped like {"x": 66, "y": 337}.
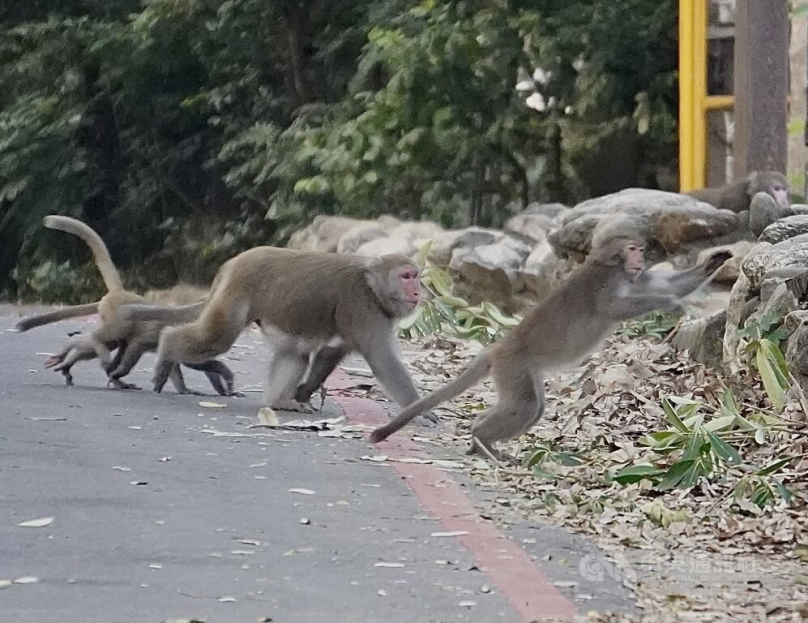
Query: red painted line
{"x": 511, "y": 570}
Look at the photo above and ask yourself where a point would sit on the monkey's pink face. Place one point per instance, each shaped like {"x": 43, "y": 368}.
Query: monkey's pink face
{"x": 409, "y": 282}
{"x": 634, "y": 255}
{"x": 780, "y": 194}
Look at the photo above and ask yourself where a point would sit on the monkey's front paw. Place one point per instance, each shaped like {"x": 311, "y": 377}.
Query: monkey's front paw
{"x": 191, "y": 392}
{"x": 53, "y": 361}
{"x": 716, "y": 261}
{"x": 235, "y": 394}
{"x": 292, "y": 405}
{"x": 304, "y": 392}
{"x": 119, "y": 384}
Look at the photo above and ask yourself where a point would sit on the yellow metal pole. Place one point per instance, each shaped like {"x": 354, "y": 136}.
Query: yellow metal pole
{"x": 699, "y": 93}
{"x": 693, "y": 100}
{"x": 686, "y": 137}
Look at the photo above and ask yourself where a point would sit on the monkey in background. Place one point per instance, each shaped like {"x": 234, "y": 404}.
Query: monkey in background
{"x": 131, "y": 339}
{"x": 737, "y": 196}
{"x": 612, "y": 286}
{"x": 304, "y": 302}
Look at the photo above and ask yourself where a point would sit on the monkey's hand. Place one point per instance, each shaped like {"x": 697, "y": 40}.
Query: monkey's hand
{"x": 716, "y": 261}
{"x": 53, "y": 360}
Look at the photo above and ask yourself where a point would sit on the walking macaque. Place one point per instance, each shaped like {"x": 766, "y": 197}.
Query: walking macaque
{"x": 738, "y": 195}
{"x": 610, "y": 287}
{"x": 305, "y": 302}
{"x": 131, "y": 338}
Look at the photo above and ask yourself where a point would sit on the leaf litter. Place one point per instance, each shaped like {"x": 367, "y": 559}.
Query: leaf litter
{"x": 699, "y": 553}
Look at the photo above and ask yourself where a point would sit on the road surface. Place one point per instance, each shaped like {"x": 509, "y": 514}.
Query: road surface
{"x": 164, "y": 509}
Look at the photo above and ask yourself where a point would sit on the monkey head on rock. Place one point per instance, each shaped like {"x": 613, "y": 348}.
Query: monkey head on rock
{"x": 737, "y": 195}
{"x": 610, "y": 287}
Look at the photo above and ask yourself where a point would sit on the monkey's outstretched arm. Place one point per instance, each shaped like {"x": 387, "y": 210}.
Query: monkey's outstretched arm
{"x": 627, "y": 307}
{"x": 683, "y": 282}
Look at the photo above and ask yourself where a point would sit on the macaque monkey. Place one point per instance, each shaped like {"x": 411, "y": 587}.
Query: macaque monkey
{"x": 304, "y": 302}
{"x": 131, "y": 338}
{"x": 738, "y": 195}
{"x": 611, "y": 286}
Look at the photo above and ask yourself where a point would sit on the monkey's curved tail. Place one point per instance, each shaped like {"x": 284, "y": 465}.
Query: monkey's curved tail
{"x": 477, "y": 370}
{"x": 166, "y": 314}
{"x": 110, "y": 274}
{"x": 55, "y": 316}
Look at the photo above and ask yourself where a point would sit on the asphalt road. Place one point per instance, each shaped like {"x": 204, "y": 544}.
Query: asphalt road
{"x": 157, "y": 517}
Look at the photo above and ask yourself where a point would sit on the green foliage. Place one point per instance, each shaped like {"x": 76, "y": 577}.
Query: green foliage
{"x": 763, "y": 351}
{"x": 176, "y": 116}
{"x": 655, "y": 324}
{"x": 695, "y": 448}
{"x": 540, "y": 456}
{"x": 451, "y": 315}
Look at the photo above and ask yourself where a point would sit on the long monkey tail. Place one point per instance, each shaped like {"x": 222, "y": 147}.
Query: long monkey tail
{"x": 477, "y": 371}
{"x": 55, "y": 316}
{"x": 110, "y": 274}
{"x": 167, "y": 314}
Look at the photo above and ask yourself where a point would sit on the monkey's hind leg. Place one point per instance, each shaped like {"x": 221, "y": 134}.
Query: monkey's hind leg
{"x": 286, "y": 368}
{"x": 325, "y": 361}
{"x": 520, "y": 406}
{"x": 220, "y": 376}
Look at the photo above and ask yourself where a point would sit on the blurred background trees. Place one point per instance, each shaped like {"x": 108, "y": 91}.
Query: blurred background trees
{"x": 187, "y": 130}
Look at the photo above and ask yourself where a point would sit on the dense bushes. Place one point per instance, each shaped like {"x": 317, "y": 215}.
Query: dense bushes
{"x": 185, "y": 131}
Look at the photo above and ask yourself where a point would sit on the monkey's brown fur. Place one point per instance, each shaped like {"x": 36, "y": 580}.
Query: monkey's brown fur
{"x": 303, "y": 301}
{"x": 738, "y": 195}
{"x": 132, "y": 338}
{"x": 559, "y": 332}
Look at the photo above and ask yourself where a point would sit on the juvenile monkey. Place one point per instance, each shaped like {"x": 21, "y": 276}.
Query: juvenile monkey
{"x": 304, "y": 302}
{"x": 131, "y": 338}
{"x": 610, "y": 287}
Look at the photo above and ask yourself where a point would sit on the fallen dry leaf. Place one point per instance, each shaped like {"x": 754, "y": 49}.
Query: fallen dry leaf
{"x": 36, "y": 523}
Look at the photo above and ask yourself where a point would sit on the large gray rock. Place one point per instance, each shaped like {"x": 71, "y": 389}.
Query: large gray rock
{"x": 361, "y": 233}
{"x": 703, "y": 338}
{"x": 785, "y": 228}
{"x": 672, "y": 220}
{"x": 534, "y": 227}
{"x": 387, "y": 245}
{"x": 489, "y": 272}
{"x": 444, "y": 244}
{"x": 551, "y": 210}
{"x": 322, "y": 234}
{"x": 790, "y": 253}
